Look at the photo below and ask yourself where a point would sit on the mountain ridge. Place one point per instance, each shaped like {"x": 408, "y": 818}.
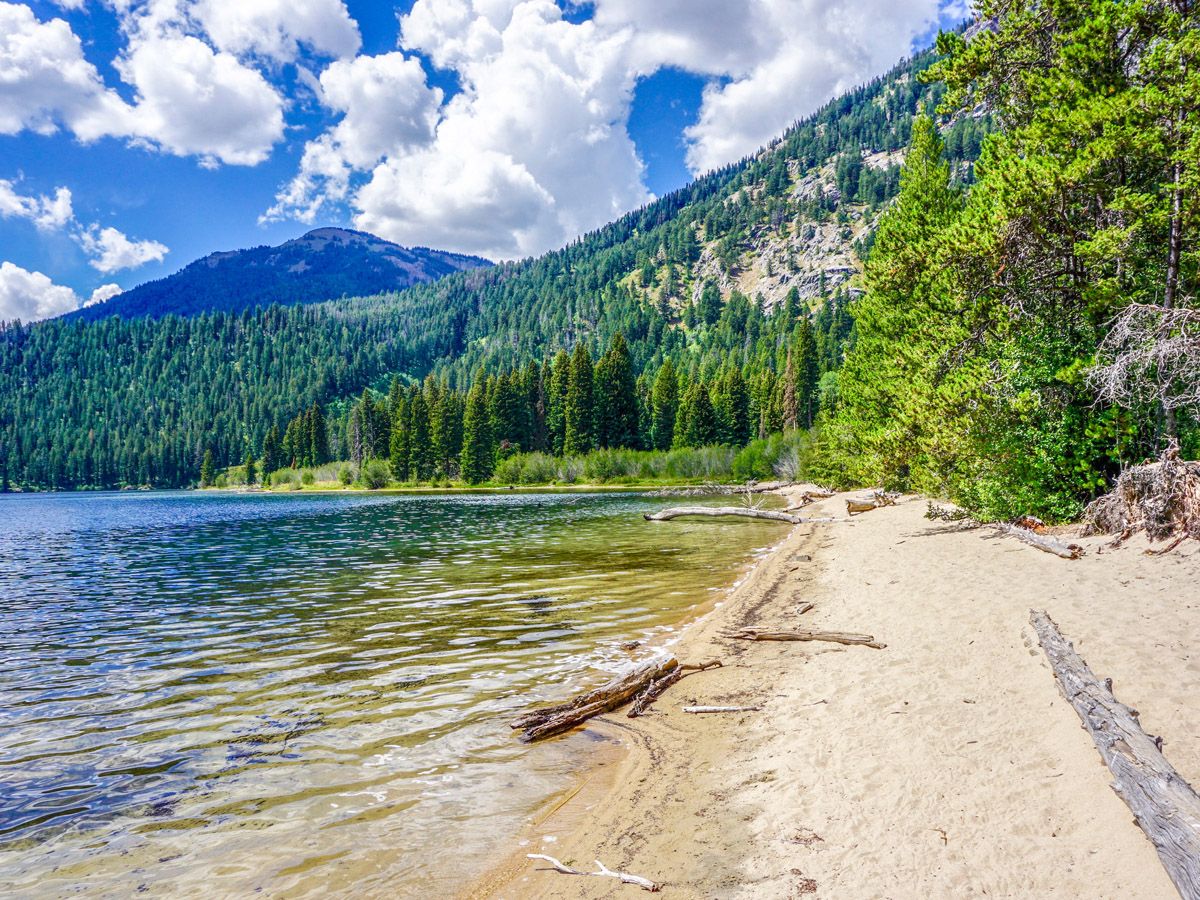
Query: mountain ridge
{"x": 323, "y": 264}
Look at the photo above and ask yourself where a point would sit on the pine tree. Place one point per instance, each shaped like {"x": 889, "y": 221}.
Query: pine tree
{"x": 664, "y": 406}
{"x": 615, "y": 391}
{"x": 272, "y": 451}
{"x": 733, "y": 408}
{"x": 710, "y": 304}
{"x": 478, "y": 456}
{"x": 421, "y": 449}
{"x": 556, "y": 416}
{"x": 789, "y": 403}
{"x": 400, "y": 447}
{"x": 207, "y": 470}
{"x": 318, "y": 444}
{"x": 806, "y": 373}
{"x": 251, "y": 469}
{"x": 579, "y": 437}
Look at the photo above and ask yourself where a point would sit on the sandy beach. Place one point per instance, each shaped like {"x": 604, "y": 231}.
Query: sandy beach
{"x": 945, "y": 765}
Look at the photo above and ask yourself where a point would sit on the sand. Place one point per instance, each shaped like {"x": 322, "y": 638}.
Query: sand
{"x": 946, "y": 765}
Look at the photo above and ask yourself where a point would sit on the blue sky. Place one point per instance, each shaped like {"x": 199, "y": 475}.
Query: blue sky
{"x": 500, "y": 127}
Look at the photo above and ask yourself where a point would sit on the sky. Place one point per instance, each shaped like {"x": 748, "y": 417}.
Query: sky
{"x": 139, "y": 135}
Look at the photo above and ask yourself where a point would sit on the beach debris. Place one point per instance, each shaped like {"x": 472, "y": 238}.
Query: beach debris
{"x": 720, "y": 709}
{"x": 675, "y": 512}
{"x": 552, "y": 720}
{"x": 644, "y": 685}
{"x": 1161, "y": 498}
{"x": 1041, "y": 541}
{"x": 834, "y": 637}
{"x": 1026, "y": 529}
{"x": 631, "y": 645}
{"x": 1164, "y": 805}
{"x": 876, "y": 500}
{"x": 805, "y": 607}
{"x": 604, "y": 872}
{"x": 655, "y": 689}
{"x": 810, "y": 496}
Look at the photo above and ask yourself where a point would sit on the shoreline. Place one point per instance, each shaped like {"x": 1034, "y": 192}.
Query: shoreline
{"x": 923, "y": 769}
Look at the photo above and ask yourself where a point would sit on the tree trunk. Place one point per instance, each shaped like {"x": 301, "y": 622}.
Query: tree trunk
{"x": 675, "y": 512}
{"x": 1164, "y": 805}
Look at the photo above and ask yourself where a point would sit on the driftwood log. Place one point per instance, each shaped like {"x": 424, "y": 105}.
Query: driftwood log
{"x": 720, "y": 709}
{"x": 655, "y": 688}
{"x": 1041, "y": 541}
{"x": 1165, "y": 806}
{"x": 644, "y": 883}
{"x": 810, "y": 497}
{"x": 865, "y": 504}
{"x": 675, "y": 512}
{"x": 834, "y": 637}
{"x": 552, "y": 720}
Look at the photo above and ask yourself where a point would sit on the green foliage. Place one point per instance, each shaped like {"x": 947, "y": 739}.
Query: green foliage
{"x": 207, "y": 469}
{"x": 375, "y": 474}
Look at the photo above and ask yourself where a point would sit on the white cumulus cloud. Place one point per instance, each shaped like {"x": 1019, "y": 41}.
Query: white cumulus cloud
{"x": 386, "y": 107}
{"x": 47, "y": 213}
{"x": 30, "y": 296}
{"x": 110, "y": 250}
{"x": 535, "y": 148}
{"x": 45, "y": 81}
{"x": 275, "y": 29}
{"x": 102, "y": 293}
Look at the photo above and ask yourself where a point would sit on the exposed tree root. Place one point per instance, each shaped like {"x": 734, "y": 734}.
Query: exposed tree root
{"x": 1160, "y": 498}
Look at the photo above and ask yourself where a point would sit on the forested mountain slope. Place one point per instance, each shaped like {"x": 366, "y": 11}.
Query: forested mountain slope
{"x": 742, "y": 269}
{"x": 324, "y": 264}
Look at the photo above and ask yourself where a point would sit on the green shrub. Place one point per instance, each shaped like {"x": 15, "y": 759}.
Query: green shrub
{"x": 307, "y": 477}
{"x": 376, "y": 474}
{"x": 346, "y": 475}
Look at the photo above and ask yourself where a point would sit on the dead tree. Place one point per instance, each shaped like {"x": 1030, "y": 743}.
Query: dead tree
{"x": 1165, "y": 806}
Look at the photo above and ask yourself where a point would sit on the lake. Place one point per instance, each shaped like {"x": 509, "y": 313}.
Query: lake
{"x": 306, "y": 695}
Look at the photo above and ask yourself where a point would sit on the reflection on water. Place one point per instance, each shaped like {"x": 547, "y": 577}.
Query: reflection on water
{"x": 210, "y": 695}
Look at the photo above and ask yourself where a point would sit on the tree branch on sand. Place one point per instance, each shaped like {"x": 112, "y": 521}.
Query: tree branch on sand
{"x": 1164, "y": 805}
{"x": 1026, "y": 529}
{"x": 675, "y": 512}
{"x": 644, "y": 883}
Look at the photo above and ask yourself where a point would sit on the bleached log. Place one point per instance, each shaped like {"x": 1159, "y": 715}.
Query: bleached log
{"x": 1165, "y": 806}
{"x": 644, "y": 883}
{"x": 665, "y": 515}
{"x": 1041, "y": 541}
{"x": 834, "y": 637}
{"x": 552, "y": 720}
{"x": 720, "y": 709}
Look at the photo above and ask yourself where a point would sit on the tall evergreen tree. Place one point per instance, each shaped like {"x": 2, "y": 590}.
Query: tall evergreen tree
{"x": 579, "y": 437}
{"x": 664, "y": 405}
{"x": 207, "y": 470}
{"x": 615, "y": 391}
{"x": 556, "y": 417}
{"x": 478, "y": 456}
{"x": 422, "y": 453}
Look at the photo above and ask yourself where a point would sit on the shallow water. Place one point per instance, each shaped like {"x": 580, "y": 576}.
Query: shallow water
{"x": 209, "y": 695}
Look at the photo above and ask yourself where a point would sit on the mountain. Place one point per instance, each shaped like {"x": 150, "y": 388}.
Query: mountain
{"x": 740, "y": 269}
{"x": 324, "y": 264}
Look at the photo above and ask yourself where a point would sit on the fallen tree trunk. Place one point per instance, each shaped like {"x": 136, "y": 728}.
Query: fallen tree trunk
{"x": 1041, "y": 541}
{"x": 665, "y": 515}
{"x": 656, "y": 688}
{"x": 834, "y": 637}
{"x": 552, "y": 720}
{"x": 1165, "y": 806}
{"x": 720, "y": 709}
